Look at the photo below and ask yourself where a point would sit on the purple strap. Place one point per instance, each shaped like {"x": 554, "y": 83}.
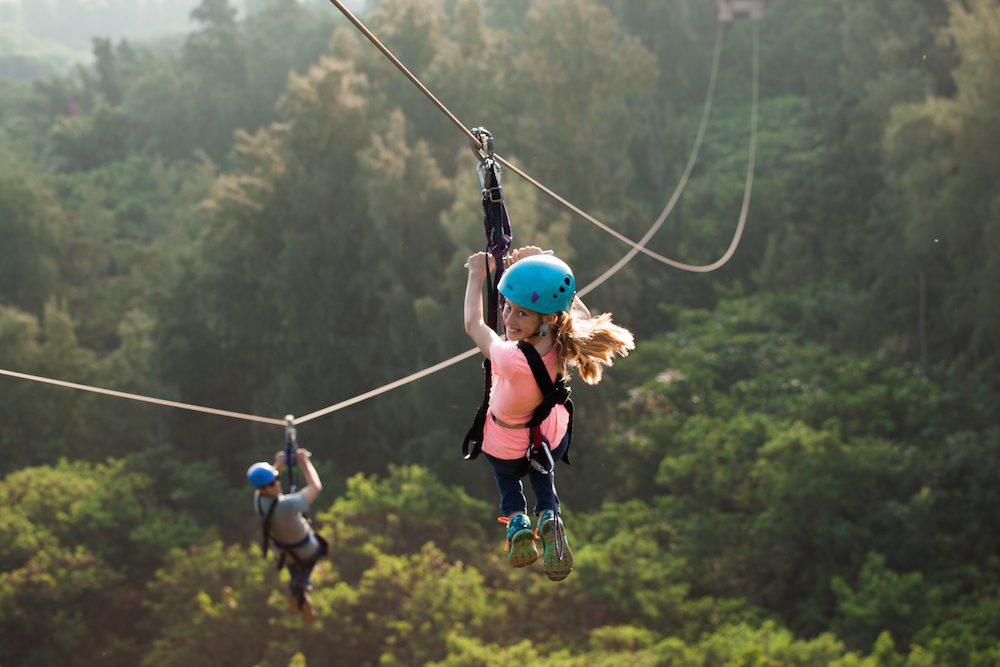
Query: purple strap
{"x": 496, "y": 224}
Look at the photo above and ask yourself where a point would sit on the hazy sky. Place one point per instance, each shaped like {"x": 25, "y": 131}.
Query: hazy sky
{"x": 73, "y": 23}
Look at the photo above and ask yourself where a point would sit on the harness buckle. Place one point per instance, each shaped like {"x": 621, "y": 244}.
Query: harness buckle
{"x": 495, "y": 194}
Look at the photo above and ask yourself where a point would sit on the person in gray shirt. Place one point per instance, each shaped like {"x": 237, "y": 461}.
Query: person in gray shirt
{"x": 286, "y": 528}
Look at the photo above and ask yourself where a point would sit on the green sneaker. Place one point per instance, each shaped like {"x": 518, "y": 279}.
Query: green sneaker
{"x": 520, "y": 546}
{"x": 555, "y": 568}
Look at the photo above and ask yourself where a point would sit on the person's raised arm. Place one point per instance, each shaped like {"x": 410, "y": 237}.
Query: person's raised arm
{"x": 313, "y": 484}
{"x": 480, "y": 334}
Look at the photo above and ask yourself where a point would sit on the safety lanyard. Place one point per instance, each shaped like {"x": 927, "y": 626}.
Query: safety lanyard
{"x": 291, "y": 450}
{"x": 499, "y": 236}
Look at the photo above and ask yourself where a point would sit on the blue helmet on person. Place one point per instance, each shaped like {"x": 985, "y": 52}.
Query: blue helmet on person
{"x": 262, "y": 474}
{"x": 542, "y": 283}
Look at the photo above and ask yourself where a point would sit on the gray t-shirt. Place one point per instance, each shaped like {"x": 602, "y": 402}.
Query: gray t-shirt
{"x": 288, "y": 526}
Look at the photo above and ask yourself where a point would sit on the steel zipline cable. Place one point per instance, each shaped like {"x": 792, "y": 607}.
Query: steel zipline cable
{"x": 145, "y": 399}
{"x": 636, "y": 246}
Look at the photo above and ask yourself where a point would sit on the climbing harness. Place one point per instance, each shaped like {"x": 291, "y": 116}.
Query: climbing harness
{"x": 496, "y": 225}
{"x": 287, "y": 550}
{"x": 553, "y": 394}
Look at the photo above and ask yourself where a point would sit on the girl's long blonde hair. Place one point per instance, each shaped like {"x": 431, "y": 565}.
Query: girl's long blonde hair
{"x": 589, "y": 342}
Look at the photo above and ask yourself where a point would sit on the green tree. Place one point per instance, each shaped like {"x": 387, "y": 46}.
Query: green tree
{"x": 214, "y": 67}
{"x": 74, "y": 534}
{"x": 107, "y": 71}
{"x": 400, "y": 512}
{"x": 91, "y": 140}
{"x": 34, "y": 230}
{"x": 47, "y": 603}
{"x": 882, "y": 599}
{"x": 925, "y": 142}
{"x": 104, "y": 508}
{"x": 204, "y": 616}
{"x": 630, "y": 570}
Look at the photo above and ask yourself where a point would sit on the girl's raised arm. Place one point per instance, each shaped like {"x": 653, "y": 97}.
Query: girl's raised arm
{"x": 481, "y": 334}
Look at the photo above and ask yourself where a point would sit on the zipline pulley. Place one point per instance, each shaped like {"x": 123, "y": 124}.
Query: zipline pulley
{"x": 484, "y": 149}
{"x": 488, "y": 169}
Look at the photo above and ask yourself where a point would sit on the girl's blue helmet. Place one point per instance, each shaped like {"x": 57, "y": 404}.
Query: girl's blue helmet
{"x": 262, "y": 474}
{"x": 542, "y": 283}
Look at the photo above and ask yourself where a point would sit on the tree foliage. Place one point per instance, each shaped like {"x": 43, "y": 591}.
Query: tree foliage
{"x": 796, "y": 466}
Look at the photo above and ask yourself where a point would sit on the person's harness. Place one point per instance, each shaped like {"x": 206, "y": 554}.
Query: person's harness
{"x": 553, "y": 394}
{"x": 285, "y": 550}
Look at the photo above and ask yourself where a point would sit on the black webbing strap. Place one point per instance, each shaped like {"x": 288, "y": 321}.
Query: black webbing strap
{"x": 265, "y": 524}
{"x": 285, "y": 549}
{"x": 553, "y": 393}
{"x": 473, "y": 442}
{"x": 496, "y": 224}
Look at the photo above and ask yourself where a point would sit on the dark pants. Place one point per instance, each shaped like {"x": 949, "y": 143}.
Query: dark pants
{"x": 300, "y": 570}
{"x": 301, "y": 578}
{"x": 508, "y": 474}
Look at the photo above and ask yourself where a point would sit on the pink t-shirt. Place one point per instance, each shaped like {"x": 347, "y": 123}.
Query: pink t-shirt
{"x": 513, "y": 398}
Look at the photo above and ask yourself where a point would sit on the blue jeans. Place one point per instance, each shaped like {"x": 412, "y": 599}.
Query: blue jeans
{"x": 508, "y": 474}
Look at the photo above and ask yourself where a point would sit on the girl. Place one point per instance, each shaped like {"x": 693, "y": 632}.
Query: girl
{"x": 540, "y": 310}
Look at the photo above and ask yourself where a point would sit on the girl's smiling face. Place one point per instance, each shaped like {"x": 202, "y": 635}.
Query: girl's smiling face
{"x": 520, "y": 323}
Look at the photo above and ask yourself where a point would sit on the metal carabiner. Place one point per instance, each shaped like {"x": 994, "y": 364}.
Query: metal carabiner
{"x": 484, "y": 154}
{"x": 536, "y": 449}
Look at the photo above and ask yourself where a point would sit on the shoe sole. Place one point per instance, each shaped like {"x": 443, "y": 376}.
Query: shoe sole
{"x": 555, "y": 569}
{"x": 522, "y": 551}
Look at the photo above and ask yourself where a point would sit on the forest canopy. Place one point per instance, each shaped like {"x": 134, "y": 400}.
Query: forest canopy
{"x": 796, "y": 466}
